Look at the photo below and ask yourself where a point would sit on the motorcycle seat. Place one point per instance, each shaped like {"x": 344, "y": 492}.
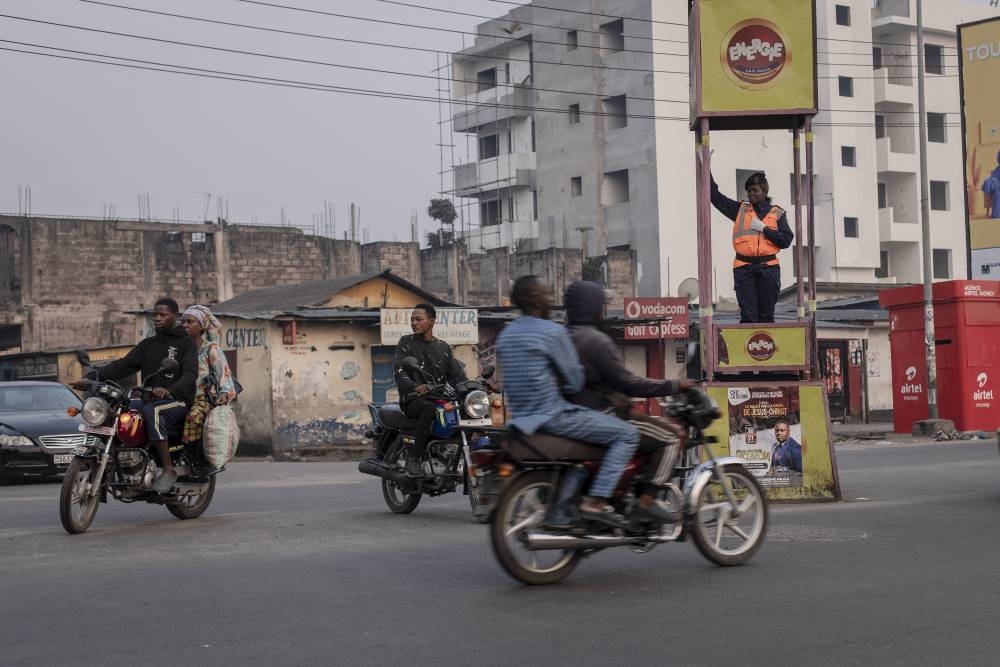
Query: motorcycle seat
{"x": 552, "y": 447}
{"x": 392, "y": 416}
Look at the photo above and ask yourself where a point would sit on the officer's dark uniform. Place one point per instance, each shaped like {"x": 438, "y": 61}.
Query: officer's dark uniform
{"x": 756, "y": 274}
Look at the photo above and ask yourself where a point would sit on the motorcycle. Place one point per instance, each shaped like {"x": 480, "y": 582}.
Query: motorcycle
{"x": 463, "y": 417}
{"x": 124, "y": 464}
{"x": 715, "y": 501}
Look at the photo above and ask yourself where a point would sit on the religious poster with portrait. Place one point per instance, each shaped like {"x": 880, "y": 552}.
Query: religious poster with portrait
{"x": 765, "y": 431}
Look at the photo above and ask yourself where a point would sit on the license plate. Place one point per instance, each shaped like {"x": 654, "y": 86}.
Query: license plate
{"x": 59, "y": 459}
{"x": 476, "y": 422}
{"x": 96, "y": 430}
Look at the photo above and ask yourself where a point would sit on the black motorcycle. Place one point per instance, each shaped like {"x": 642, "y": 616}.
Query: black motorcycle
{"x": 463, "y": 416}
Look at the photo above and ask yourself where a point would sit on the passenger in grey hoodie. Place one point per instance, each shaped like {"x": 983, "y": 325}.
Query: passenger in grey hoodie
{"x": 609, "y": 385}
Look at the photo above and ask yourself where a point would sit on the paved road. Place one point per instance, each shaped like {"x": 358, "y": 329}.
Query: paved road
{"x": 300, "y": 564}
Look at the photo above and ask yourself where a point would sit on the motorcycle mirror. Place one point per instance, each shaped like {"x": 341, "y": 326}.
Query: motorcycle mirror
{"x": 410, "y": 364}
{"x": 169, "y": 366}
{"x": 487, "y": 372}
{"x": 83, "y": 357}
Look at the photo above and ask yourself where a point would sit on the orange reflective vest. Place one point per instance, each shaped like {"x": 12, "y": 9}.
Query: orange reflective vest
{"x": 753, "y": 247}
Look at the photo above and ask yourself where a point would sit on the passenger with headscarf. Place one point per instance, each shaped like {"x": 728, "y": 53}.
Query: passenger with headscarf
{"x": 215, "y": 384}
{"x": 991, "y": 187}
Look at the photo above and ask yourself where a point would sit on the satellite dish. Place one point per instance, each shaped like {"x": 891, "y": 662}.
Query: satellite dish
{"x": 688, "y": 289}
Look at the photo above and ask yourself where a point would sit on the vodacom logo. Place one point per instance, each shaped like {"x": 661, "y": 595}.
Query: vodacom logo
{"x": 754, "y": 53}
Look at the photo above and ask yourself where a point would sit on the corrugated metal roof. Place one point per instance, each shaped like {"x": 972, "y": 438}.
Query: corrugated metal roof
{"x": 270, "y": 301}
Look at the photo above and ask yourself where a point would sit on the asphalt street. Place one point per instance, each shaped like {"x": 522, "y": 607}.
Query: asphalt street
{"x": 301, "y": 564}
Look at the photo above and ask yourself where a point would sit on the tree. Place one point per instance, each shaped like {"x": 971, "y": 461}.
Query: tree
{"x": 443, "y": 211}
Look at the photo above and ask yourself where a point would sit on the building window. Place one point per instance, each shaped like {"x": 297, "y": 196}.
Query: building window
{"x": 883, "y": 264}
{"x": 843, "y": 15}
{"x": 846, "y": 84}
{"x": 848, "y": 156}
{"x": 939, "y": 195}
{"x": 851, "y": 228}
{"x": 615, "y": 112}
{"x": 571, "y": 40}
{"x": 615, "y": 188}
{"x": 534, "y": 204}
{"x": 489, "y": 147}
{"x": 882, "y": 201}
{"x": 486, "y": 79}
{"x": 933, "y": 59}
{"x": 879, "y": 126}
{"x": 576, "y": 186}
{"x": 574, "y": 114}
{"x": 613, "y": 37}
{"x": 489, "y": 213}
{"x": 936, "y": 130}
{"x": 942, "y": 263}
{"x": 532, "y": 121}
{"x": 876, "y": 57}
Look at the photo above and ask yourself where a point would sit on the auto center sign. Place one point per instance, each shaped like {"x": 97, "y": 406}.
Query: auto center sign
{"x": 656, "y": 319}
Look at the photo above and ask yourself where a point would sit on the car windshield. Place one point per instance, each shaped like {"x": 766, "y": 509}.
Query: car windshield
{"x": 29, "y": 398}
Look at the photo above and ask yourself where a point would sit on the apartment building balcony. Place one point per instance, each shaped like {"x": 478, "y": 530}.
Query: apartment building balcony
{"x": 892, "y": 231}
{"x": 504, "y": 171}
{"x": 895, "y": 161}
{"x": 892, "y": 87}
{"x": 492, "y": 106}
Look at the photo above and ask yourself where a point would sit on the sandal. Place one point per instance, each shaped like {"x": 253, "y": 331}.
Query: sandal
{"x": 165, "y": 482}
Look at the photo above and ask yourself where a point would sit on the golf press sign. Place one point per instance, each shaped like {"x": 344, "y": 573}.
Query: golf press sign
{"x": 656, "y": 319}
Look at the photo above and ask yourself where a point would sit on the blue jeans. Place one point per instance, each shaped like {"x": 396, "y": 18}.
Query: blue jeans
{"x": 598, "y": 428}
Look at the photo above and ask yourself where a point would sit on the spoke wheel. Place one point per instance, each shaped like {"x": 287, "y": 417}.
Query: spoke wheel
{"x": 192, "y": 507}
{"x": 730, "y": 517}
{"x": 77, "y": 507}
{"x": 522, "y": 507}
{"x": 396, "y": 495}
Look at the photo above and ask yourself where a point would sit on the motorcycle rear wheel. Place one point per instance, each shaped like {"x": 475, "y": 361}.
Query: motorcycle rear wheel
{"x": 718, "y": 535}
{"x": 522, "y": 506}
{"x": 192, "y": 508}
{"x": 397, "y": 499}
{"x": 77, "y": 509}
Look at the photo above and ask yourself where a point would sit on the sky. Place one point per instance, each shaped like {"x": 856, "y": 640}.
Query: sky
{"x": 87, "y": 137}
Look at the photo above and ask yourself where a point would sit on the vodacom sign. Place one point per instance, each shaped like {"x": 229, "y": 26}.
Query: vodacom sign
{"x": 656, "y": 318}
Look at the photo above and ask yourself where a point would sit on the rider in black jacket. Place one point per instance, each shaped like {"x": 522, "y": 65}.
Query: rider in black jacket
{"x": 172, "y": 393}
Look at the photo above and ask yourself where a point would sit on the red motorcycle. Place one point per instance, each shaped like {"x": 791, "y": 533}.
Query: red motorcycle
{"x": 123, "y": 463}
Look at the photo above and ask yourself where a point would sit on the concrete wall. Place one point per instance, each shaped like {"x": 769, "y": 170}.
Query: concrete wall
{"x": 402, "y": 258}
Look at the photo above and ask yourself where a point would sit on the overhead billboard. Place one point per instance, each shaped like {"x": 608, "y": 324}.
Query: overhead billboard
{"x": 753, "y": 59}
{"x": 979, "y": 70}
{"x": 656, "y": 318}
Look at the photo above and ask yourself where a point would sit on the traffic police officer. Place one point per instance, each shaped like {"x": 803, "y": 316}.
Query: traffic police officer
{"x": 760, "y": 230}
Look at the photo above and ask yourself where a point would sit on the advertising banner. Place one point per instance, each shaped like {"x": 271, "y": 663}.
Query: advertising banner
{"x": 455, "y": 326}
{"x": 762, "y": 346}
{"x": 979, "y": 57}
{"x": 756, "y": 58}
{"x": 671, "y": 313}
{"x": 780, "y": 432}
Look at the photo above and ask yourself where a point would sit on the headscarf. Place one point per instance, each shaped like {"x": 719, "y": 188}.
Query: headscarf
{"x": 209, "y": 324}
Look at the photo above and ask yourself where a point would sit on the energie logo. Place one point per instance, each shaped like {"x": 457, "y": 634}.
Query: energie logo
{"x": 754, "y": 53}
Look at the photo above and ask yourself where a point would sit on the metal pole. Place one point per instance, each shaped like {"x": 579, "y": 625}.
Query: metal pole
{"x": 797, "y": 202}
{"x": 811, "y": 343}
{"x": 925, "y": 226}
{"x": 705, "y": 249}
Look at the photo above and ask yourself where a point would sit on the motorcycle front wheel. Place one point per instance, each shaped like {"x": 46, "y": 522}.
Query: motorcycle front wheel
{"x": 194, "y": 506}
{"x": 729, "y": 518}
{"x": 399, "y": 500}
{"x": 77, "y": 507}
{"x": 522, "y": 507}
{"x": 472, "y": 487}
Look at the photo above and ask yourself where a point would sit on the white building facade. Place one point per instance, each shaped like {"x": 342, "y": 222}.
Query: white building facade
{"x": 581, "y": 139}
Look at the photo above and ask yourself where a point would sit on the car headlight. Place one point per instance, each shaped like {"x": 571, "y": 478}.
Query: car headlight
{"x": 477, "y": 404}
{"x": 15, "y": 441}
{"x": 95, "y": 411}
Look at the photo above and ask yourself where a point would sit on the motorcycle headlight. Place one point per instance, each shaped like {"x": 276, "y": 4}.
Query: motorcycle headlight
{"x": 15, "y": 440}
{"x": 95, "y": 411}
{"x": 477, "y": 404}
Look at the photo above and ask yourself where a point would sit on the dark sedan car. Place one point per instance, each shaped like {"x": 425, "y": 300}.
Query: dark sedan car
{"x": 37, "y": 437}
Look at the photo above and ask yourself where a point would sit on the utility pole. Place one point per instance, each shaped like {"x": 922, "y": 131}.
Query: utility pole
{"x": 925, "y": 226}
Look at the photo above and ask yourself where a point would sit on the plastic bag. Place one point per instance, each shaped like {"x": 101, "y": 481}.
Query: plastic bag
{"x": 221, "y": 435}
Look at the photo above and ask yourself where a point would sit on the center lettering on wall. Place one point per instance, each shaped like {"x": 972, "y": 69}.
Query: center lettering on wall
{"x": 455, "y": 326}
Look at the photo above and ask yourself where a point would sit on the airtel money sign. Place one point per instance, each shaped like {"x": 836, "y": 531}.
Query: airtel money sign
{"x": 658, "y": 318}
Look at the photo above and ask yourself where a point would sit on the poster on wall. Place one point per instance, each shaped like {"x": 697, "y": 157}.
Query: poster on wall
{"x": 765, "y": 431}
{"x": 979, "y": 70}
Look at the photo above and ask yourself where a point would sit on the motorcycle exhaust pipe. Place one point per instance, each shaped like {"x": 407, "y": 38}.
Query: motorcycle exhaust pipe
{"x": 537, "y": 541}
{"x": 380, "y": 469}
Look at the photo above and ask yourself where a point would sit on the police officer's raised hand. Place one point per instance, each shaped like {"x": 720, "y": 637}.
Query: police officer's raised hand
{"x": 757, "y": 226}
